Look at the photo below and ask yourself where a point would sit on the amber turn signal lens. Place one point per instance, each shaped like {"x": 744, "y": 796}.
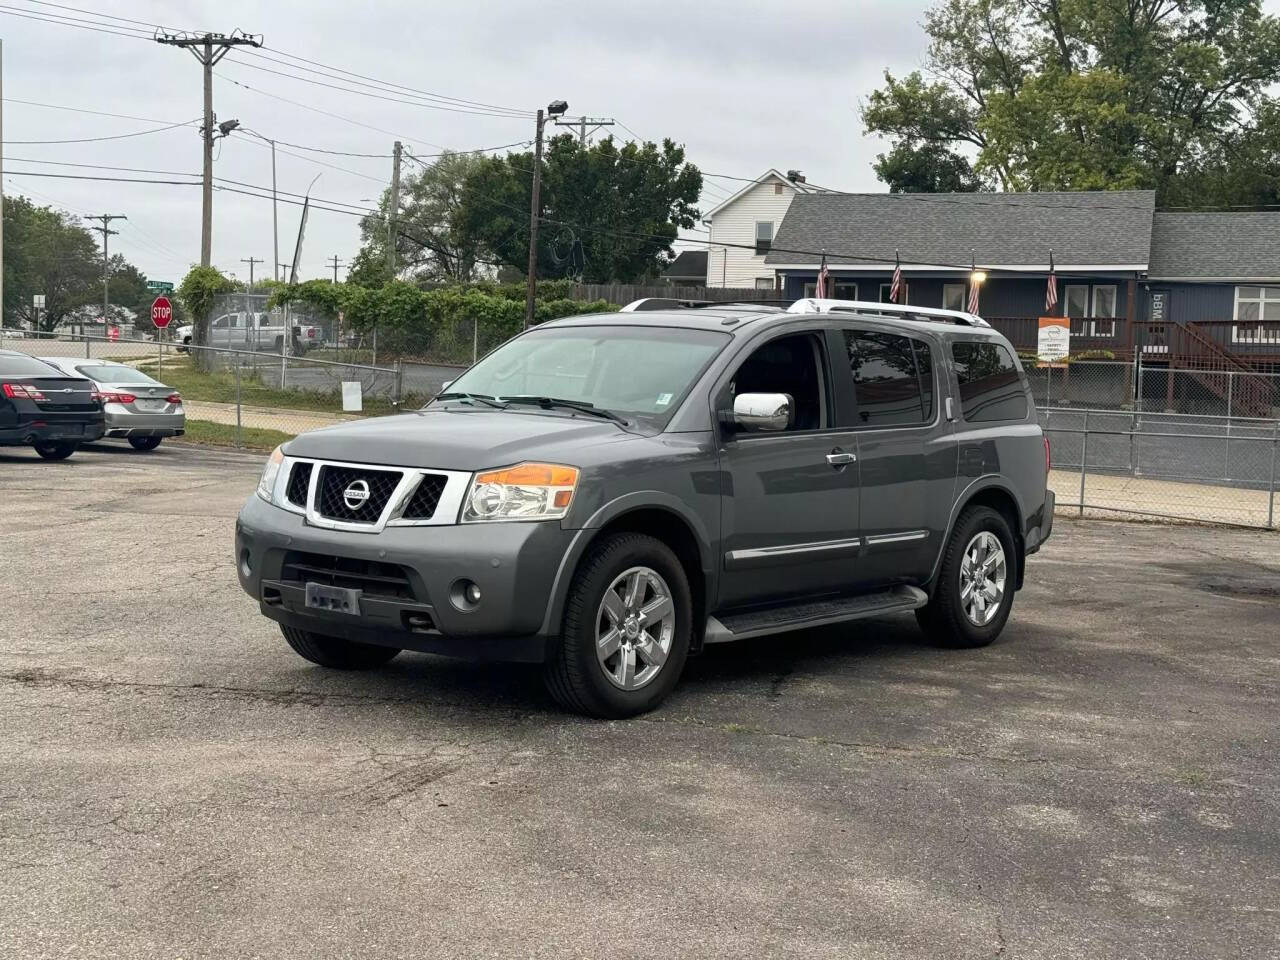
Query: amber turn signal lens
{"x": 533, "y": 475}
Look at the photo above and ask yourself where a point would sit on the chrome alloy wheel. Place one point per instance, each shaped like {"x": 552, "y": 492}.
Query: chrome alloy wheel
{"x": 982, "y": 578}
{"x": 635, "y": 625}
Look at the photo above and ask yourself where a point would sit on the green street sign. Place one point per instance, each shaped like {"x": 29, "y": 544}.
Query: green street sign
{"x": 160, "y": 286}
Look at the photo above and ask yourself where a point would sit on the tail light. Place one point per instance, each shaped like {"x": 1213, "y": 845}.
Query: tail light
{"x": 22, "y": 391}
{"x": 1048, "y": 461}
{"x": 94, "y": 395}
{"x": 174, "y": 398}
{"x": 109, "y": 397}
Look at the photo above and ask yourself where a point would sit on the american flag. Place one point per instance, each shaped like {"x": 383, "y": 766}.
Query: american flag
{"x": 824, "y": 278}
{"x": 895, "y": 286}
{"x": 1051, "y": 290}
{"x": 973, "y": 294}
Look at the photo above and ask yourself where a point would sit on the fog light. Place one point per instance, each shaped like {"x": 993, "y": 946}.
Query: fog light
{"x": 472, "y": 593}
{"x": 464, "y": 594}
{"x": 245, "y": 567}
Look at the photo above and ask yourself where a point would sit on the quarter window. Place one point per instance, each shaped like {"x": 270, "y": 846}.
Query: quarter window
{"x": 990, "y": 385}
{"x": 892, "y": 378}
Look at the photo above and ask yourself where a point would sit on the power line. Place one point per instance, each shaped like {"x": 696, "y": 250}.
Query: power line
{"x": 96, "y": 13}
{"x": 69, "y": 22}
{"x": 118, "y": 136}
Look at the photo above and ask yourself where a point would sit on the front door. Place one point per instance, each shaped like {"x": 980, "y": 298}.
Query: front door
{"x": 789, "y": 511}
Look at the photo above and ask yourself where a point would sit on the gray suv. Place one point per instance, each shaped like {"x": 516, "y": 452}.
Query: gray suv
{"x": 605, "y": 495}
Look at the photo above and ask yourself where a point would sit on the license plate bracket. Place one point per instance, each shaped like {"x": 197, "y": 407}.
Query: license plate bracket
{"x": 322, "y": 596}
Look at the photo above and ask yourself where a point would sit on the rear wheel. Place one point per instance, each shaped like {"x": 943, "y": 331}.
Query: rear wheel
{"x": 55, "y": 449}
{"x": 974, "y": 593}
{"x": 628, "y": 620}
{"x": 144, "y": 443}
{"x": 336, "y": 653}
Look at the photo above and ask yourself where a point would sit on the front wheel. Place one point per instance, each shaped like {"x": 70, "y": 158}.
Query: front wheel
{"x": 144, "y": 443}
{"x": 55, "y": 449}
{"x": 627, "y": 624}
{"x": 974, "y": 593}
{"x": 336, "y": 653}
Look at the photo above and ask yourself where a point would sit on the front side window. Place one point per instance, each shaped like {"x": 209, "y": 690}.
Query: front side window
{"x": 953, "y": 296}
{"x": 790, "y": 365}
{"x": 990, "y": 385}
{"x": 892, "y": 378}
{"x": 764, "y": 236}
{"x": 632, "y": 371}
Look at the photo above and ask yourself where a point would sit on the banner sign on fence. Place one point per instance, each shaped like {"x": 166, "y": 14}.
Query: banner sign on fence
{"x": 1054, "y": 341}
{"x": 351, "y": 396}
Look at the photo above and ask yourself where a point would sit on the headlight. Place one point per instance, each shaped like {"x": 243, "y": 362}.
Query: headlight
{"x": 528, "y": 491}
{"x": 267, "y": 485}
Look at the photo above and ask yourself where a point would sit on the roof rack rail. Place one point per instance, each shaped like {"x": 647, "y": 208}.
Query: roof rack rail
{"x": 671, "y": 303}
{"x": 900, "y": 311}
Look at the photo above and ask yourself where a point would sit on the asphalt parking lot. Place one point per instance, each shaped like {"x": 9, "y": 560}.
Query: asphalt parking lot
{"x": 174, "y": 782}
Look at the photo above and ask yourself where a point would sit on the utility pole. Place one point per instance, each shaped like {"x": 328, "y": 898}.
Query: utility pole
{"x": 335, "y": 262}
{"x": 2, "y": 185}
{"x": 393, "y": 208}
{"x": 582, "y": 122}
{"x": 208, "y": 49}
{"x": 251, "y": 261}
{"x": 285, "y": 267}
{"x": 106, "y": 232}
{"x": 556, "y": 108}
{"x": 275, "y": 216}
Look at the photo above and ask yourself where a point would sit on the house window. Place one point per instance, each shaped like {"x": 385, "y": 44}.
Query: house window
{"x": 835, "y": 290}
{"x": 953, "y": 295}
{"x": 764, "y": 236}
{"x": 777, "y": 189}
{"x": 764, "y": 283}
{"x": 902, "y": 294}
{"x": 1077, "y": 304}
{"x": 1257, "y": 315}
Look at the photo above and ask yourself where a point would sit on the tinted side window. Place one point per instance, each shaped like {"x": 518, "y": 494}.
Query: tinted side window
{"x": 891, "y": 389}
{"x": 990, "y": 387}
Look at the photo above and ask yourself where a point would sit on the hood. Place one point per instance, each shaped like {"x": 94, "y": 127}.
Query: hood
{"x": 459, "y": 439}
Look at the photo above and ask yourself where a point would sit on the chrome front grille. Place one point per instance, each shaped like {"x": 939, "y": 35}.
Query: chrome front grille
{"x": 365, "y": 498}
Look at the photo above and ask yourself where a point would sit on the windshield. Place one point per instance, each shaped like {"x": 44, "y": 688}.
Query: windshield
{"x": 629, "y": 370}
{"x": 113, "y": 373}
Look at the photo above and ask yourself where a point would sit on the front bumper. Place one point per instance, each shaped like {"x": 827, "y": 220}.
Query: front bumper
{"x": 513, "y": 564}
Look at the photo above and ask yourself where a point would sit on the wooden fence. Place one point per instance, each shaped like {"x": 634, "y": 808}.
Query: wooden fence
{"x": 624, "y": 293}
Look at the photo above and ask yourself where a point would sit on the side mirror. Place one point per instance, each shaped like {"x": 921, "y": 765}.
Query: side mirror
{"x": 762, "y": 412}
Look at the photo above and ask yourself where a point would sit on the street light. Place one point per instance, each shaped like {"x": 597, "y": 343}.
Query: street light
{"x": 555, "y": 108}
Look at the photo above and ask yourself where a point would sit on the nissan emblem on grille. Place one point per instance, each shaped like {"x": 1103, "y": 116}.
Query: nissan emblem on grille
{"x": 355, "y": 495}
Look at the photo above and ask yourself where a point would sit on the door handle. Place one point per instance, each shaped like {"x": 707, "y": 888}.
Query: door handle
{"x": 838, "y": 458}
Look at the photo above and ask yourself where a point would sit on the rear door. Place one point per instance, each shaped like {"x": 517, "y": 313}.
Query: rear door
{"x": 906, "y": 450}
{"x": 789, "y": 509}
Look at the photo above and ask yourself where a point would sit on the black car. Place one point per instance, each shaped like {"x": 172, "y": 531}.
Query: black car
{"x": 42, "y": 407}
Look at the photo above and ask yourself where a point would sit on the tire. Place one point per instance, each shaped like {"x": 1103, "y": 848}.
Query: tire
{"x": 336, "y": 653}
{"x": 578, "y": 679}
{"x": 951, "y": 619}
{"x": 55, "y": 449}
{"x": 144, "y": 443}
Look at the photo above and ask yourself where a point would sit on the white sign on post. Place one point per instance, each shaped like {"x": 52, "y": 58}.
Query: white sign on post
{"x": 352, "y": 401}
{"x": 37, "y": 301}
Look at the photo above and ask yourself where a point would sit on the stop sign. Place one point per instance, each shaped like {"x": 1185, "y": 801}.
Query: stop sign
{"x": 161, "y": 312}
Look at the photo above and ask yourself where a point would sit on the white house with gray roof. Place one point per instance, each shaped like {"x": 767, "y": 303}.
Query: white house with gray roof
{"x": 742, "y": 228}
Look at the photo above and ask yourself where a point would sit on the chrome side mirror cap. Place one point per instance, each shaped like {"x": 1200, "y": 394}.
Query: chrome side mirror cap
{"x": 762, "y": 412}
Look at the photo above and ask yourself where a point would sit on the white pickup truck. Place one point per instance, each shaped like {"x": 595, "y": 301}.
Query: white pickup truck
{"x": 254, "y": 331}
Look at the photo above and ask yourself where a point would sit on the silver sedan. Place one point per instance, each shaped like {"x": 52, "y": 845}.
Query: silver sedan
{"x": 138, "y": 408}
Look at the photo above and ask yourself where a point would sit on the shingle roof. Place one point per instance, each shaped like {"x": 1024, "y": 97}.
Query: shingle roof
{"x": 1226, "y": 246}
{"x": 1098, "y": 228}
{"x": 690, "y": 263}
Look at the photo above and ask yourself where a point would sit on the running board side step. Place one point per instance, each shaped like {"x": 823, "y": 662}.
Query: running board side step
{"x": 813, "y": 613}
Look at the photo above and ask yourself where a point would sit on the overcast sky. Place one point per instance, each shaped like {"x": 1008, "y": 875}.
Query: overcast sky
{"x": 744, "y": 86}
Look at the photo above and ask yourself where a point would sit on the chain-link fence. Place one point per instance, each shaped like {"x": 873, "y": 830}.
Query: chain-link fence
{"x": 1202, "y": 468}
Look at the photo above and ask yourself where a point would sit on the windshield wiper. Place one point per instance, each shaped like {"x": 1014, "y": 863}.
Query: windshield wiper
{"x": 581, "y": 406}
{"x": 487, "y": 400}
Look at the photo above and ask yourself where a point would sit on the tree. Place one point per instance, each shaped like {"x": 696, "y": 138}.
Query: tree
{"x": 429, "y": 245}
{"x": 913, "y": 167}
{"x": 1095, "y": 94}
{"x": 609, "y": 213}
{"x": 47, "y": 252}
{"x": 198, "y": 292}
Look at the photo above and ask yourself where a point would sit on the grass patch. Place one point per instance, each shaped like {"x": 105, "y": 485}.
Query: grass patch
{"x": 224, "y": 435}
{"x": 219, "y": 386}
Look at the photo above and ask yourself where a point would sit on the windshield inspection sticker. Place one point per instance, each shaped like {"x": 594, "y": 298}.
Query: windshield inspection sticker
{"x": 664, "y": 399}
